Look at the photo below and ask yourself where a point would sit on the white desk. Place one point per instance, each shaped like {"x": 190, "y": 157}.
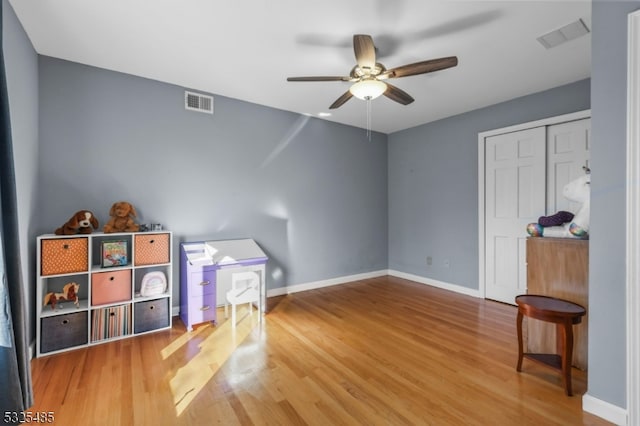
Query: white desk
{"x": 214, "y": 262}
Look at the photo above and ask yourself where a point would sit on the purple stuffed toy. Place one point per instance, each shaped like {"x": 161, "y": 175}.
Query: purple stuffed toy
{"x": 557, "y": 219}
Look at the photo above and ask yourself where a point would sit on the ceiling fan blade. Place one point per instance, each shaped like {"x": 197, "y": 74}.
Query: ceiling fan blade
{"x": 398, "y": 95}
{"x": 422, "y": 67}
{"x": 341, "y": 100}
{"x": 331, "y": 78}
{"x": 365, "y": 51}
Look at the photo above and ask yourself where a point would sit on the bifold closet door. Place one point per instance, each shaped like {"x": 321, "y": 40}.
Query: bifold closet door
{"x": 515, "y": 195}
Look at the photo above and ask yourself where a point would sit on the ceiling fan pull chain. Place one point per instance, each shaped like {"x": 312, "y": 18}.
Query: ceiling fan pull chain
{"x": 369, "y": 118}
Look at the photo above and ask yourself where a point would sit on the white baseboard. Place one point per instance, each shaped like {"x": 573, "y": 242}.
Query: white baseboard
{"x": 607, "y": 411}
{"x": 349, "y": 278}
{"x": 324, "y": 283}
{"x": 435, "y": 283}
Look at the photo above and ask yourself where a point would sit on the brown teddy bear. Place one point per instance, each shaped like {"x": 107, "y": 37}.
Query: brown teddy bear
{"x": 80, "y": 223}
{"x": 121, "y": 220}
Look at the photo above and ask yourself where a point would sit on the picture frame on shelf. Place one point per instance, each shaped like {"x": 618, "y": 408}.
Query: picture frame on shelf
{"x": 113, "y": 253}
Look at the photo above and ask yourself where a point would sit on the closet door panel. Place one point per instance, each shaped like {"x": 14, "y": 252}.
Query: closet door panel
{"x": 567, "y": 153}
{"x": 515, "y": 196}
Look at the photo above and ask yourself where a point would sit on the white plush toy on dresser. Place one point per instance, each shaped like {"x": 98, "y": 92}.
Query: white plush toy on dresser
{"x": 565, "y": 224}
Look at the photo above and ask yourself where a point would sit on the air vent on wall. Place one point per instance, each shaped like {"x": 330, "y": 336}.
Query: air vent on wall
{"x": 198, "y": 102}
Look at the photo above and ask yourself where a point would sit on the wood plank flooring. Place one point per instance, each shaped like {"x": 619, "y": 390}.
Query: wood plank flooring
{"x": 382, "y": 351}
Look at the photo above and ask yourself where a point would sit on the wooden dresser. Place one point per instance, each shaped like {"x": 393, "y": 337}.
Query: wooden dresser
{"x": 558, "y": 267}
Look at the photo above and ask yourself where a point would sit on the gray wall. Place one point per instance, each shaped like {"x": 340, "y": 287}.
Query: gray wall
{"x": 433, "y": 183}
{"x": 607, "y": 313}
{"x": 21, "y": 65}
{"x": 310, "y": 192}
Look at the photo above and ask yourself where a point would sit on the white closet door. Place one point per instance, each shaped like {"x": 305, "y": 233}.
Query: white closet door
{"x": 567, "y": 153}
{"x": 514, "y": 196}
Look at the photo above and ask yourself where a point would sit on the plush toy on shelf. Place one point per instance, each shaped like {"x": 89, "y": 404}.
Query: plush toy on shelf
{"x": 81, "y": 222}
{"x": 121, "y": 220}
{"x": 565, "y": 224}
{"x": 69, "y": 293}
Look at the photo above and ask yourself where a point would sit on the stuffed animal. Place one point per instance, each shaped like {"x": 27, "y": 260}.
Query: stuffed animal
{"x": 80, "y": 223}
{"x": 69, "y": 293}
{"x": 575, "y": 226}
{"x": 122, "y": 214}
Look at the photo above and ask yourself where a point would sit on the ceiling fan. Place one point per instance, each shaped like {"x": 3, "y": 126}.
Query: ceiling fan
{"x": 368, "y": 75}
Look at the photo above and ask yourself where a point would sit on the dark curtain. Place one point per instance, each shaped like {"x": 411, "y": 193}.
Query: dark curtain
{"x": 16, "y": 392}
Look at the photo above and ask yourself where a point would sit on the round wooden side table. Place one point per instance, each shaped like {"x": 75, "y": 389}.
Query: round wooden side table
{"x": 561, "y": 312}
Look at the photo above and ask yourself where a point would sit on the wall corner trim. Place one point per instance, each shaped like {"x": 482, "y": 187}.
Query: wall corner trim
{"x": 633, "y": 223}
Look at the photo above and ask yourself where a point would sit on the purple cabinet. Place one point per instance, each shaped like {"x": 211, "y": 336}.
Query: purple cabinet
{"x": 197, "y": 292}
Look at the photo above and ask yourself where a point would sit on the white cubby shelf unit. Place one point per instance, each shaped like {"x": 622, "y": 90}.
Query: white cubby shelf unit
{"x": 112, "y": 270}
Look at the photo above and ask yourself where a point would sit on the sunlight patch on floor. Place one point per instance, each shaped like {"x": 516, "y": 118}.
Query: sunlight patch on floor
{"x": 179, "y": 342}
{"x": 213, "y": 353}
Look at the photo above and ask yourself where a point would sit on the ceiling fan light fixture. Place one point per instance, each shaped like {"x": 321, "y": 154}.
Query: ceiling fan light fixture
{"x": 368, "y": 89}
{"x": 367, "y": 75}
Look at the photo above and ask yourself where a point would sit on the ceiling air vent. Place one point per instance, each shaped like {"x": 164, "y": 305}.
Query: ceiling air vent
{"x": 198, "y": 102}
{"x": 562, "y": 35}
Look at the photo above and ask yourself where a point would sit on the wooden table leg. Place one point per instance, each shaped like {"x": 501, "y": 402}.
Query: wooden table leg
{"x": 566, "y": 330}
{"x": 520, "y": 350}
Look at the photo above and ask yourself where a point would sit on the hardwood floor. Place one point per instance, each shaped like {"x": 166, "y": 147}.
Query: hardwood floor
{"x": 382, "y": 351}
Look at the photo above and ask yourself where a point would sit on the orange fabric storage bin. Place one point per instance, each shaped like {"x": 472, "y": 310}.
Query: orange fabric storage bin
{"x": 151, "y": 249}
{"x": 110, "y": 287}
{"x": 64, "y": 256}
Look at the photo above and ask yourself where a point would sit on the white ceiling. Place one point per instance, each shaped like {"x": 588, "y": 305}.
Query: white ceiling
{"x": 245, "y": 49}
